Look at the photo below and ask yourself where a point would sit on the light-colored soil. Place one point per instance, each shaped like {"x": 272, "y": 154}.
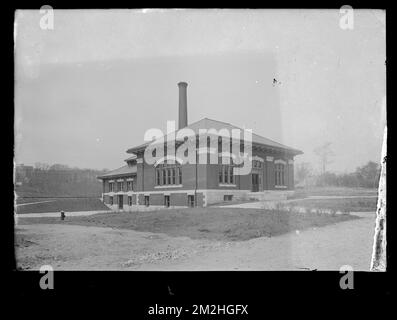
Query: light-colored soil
{"x": 58, "y": 214}
{"x": 337, "y": 203}
{"x": 72, "y": 247}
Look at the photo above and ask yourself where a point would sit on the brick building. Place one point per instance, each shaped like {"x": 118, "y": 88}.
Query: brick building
{"x": 140, "y": 185}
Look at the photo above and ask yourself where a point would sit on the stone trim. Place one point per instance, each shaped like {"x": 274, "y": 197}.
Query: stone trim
{"x": 257, "y": 158}
{"x": 190, "y": 191}
{"x": 169, "y": 186}
{"x": 269, "y": 159}
{"x": 177, "y": 161}
{"x": 227, "y": 185}
{"x": 280, "y": 161}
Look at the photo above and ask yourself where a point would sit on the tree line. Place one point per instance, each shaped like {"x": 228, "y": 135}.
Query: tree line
{"x": 57, "y": 180}
{"x": 366, "y": 176}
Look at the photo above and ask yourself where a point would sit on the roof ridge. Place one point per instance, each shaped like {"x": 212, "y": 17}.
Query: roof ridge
{"x": 207, "y": 123}
{"x": 219, "y": 121}
{"x": 126, "y": 165}
{"x": 256, "y": 134}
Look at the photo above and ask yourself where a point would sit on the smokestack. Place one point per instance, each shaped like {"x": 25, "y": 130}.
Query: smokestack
{"x": 182, "y": 105}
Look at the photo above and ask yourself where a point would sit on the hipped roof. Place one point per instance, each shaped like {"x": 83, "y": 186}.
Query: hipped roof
{"x": 218, "y": 125}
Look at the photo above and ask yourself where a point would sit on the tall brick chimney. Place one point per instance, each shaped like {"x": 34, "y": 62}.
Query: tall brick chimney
{"x": 182, "y": 105}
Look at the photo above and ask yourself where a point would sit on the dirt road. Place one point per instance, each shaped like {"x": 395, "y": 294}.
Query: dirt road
{"x": 69, "y": 247}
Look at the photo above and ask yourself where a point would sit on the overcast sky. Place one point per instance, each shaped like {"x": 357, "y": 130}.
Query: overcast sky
{"x": 88, "y": 90}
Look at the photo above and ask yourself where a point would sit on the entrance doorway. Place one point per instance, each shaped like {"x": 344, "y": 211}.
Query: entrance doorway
{"x": 120, "y": 201}
{"x": 255, "y": 182}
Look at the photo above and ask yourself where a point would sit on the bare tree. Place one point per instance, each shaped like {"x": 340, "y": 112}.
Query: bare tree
{"x": 59, "y": 167}
{"x": 303, "y": 171}
{"x": 325, "y": 153}
{"x": 42, "y": 166}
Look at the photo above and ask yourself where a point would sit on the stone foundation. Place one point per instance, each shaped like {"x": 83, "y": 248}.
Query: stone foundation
{"x": 179, "y": 199}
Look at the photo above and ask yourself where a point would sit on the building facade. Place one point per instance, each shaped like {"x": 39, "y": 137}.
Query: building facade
{"x": 139, "y": 185}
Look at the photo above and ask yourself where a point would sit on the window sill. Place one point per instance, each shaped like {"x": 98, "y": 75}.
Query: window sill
{"x": 227, "y": 185}
{"x": 169, "y": 186}
{"x": 281, "y": 187}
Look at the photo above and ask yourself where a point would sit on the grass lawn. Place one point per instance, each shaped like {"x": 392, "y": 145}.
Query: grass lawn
{"x": 59, "y": 204}
{"x": 32, "y": 200}
{"x": 334, "y": 191}
{"x": 205, "y": 223}
{"x": 230, "y": 202}
{"x": 341, "y": 204}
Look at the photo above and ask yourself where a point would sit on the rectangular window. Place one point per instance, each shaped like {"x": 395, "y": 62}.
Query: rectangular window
{"x": 226, "y": 172}
{"x": 173, "y": 176}
{"x": 166, "y": 201}
{"x": 180, "y": 175}
{"x": 256, "y": 164}
{"x": 280, "y": 174}
{"x": 111, "y": 201}
{"x": 170, "y": 174}
{"x": 130, "y": 201}
{"x": 129, "y": 185}
{"x": 190, "y": 200}
{"x": 111, "y": 189}
{"x": 228, "y": 197}
{"x": 158, "y": 177}
{"x": 120, "y": 186}
{"x": 147, "y": 201}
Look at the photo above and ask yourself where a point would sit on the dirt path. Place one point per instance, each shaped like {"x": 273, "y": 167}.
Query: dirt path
{"x": 341, "y": 197}
{"x": 68, "y": 247}
{"x": 29, "y": 203}
{"x": 326, "y": 248}
{"x": 57, "y": 214}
